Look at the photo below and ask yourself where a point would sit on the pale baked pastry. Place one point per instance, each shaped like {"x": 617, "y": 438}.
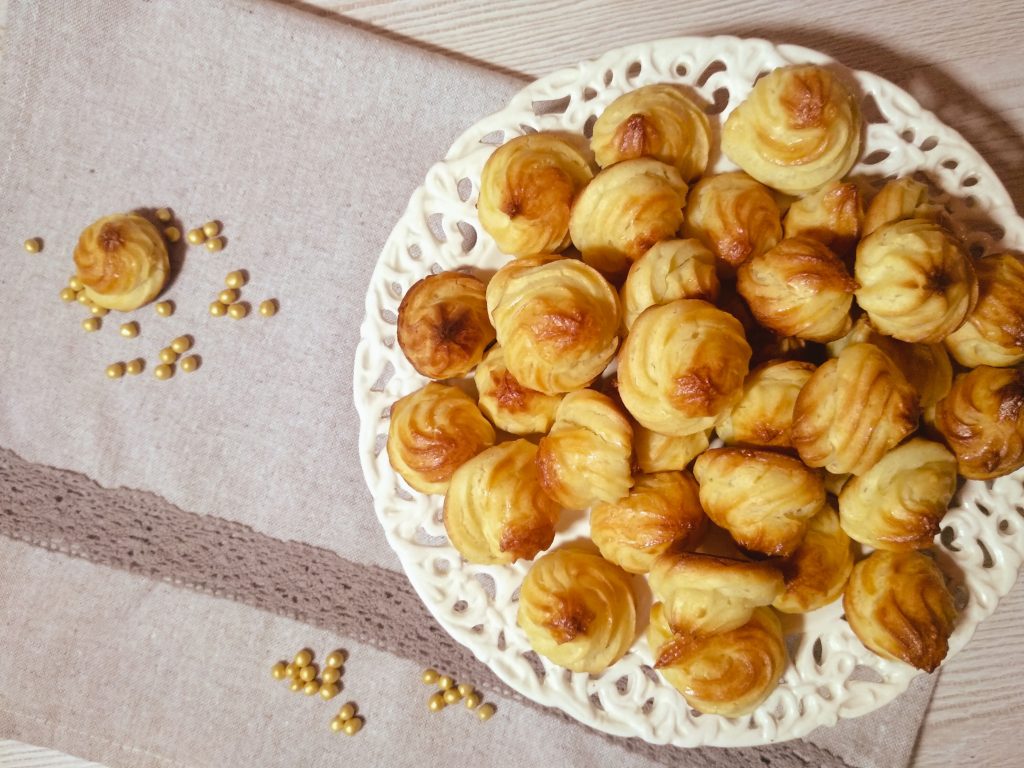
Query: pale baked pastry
{"x": 764, "y": 414}
{"x": 735, "y": 216}
{"x": 817, "y": 571}
{"x": 626, "y": 209}
{"x": 982, "y": 421}
{"x": 433, "y": 432}
{"x": 671, "y": 269}
{"x": 557, "y": 321}
{"x": 899, "y": 503}
{"x": 577, "y": 610}
{"x": 705, "y": 595}
{"x": 898, "y": 200}
{"x": 898, "y": 604}
{"x": 585, "y": 458}
{"x": 655, "y": 452}
{"x": 682, "y": 366}
{"x": 798, "y": 129}
{"x": 507, "y": 403}
{"x": 799, "y": 288}
{"x": 527, "y": 190}
{"x": 728, "y": 674}
{"x": 994, "y": 331}
{"x": 852, "y": 410}
{"x": 916, "y": 282}
{"x": 662, "y": 513}
{"x": 495, "y": 511}
{"x": 762, "y": 498}
{"x": 833, "y": 216}
{"x": 121, "y": 261}
{"x": 443, "y": 327}
{"x": 658, "y": 121}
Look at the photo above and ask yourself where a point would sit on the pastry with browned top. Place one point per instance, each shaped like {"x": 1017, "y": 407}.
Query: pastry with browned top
{"x": 833, "y": 216}
{"x": 507, "y": 403}
{"x": 764, "y": 414}
{"x": 655, "y": 452}
{"x": 121, "y": 261}
{"x": 816, "y": 572}
{"x": 898, "y": 200}
{"x": 670, "y": 270}
{"x": 993, "y": 333}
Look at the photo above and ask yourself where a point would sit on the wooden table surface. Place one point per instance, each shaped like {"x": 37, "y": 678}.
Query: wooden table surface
{"x": 961, "y": 60}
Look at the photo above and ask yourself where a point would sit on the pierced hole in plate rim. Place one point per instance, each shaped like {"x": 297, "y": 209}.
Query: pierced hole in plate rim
{"x": 866, "y": 674}
{"x": 608, "y": 75}
{"x": 415, "y": 252}
{"x": 425, "y": 539}
{"x": 465, "y": 188}
{"x": 876, "y": 157}
{"x": 1004, "y": 527}
{"x": 648, "y": 707}
{"x": 442, "y": 566}
{"x": 436, "y": 269}
{"x": 634, "y": 70}
{"x": 515, "y": 594}
{"x": 468, "y": 232}
{"x": 650, "y": 673}
{"x": 460, "y": 606}
{"x": 378, "y": 444}
{"x": 435, "y": 223}
{"x": 929, "y": 144}
{"x": 825, "y": 692}
{"x": 536, "y": 664}
{"x": 477, "y": 629}
{"x": 950, "y": 165}
{"x": 588, "y": 127}
{"x": 947, "y": 539}
{"x": 551, "y": 106}
{"x": 970, "y": 181}
{"x": 494, "y": 138}
{"x": 487, "y": 582}
{"x": 986, "y": 557}
{"x": 710, "y": 71}
{"x": 681, "y": 70}
{"x": 589, "y": 93}
{"x": 720, "y": 100}
{"x": 502, "y": 645}
{"x": 695, "y": 713}
{"x": 527, "y": 129}
{"x": 403, "y": 494}
{"x": 817, "y": 651}
{"x": 622, "y": 685}
{"x": 871, "y": 112}
{"x": 595, "y": 701}
{"x": 384, "y": 378}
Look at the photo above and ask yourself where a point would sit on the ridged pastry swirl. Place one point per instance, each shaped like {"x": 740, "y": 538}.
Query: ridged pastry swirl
{"x": 657, "y": 121}
{"x": 558, "y": 323}
{"x": 443, "y": 326}
{"x": 682, "y": 366}
{"x": 916, "y": 282}
{"x": 527, "y": 190}
{"x": 655, "y": 452}
{"x": 994, "y": 331}
{"x": 898, "y": 604}
{"x": 662, "y": 513}
{"x": 799, "y": 288}
{"x": 735, "y": 216}
{"x": 833, "y": 216}
{"x": 898, "y": 504}
{"x": 898, "y": 200}
{"x": 762, "y": 498}
{"x": 671, "y": 269}
{"x": 852, "y": 410}
{"x": 626, "y": 209}
{"x": 496, "y": 512}
{"x": 507, "y": 403}
{"x": 764, "y": 414}
{"x": 585, "y": 458}
{"x": 577, "y": 610}
{"x": 798, "y": 130}
{"x": 122, "y": 261}
{"x": 433, "y": 432}
{"x": 817, "y": 571}
{"x": 982, "y": 421}
{"x": 728, "y": 674}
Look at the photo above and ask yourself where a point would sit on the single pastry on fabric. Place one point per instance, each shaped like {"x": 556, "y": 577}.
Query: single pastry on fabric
{"x": 898, "y": 504}
{"x": 443, "y": 328}
{"x": 586, "y": 457}
{"x": 982, "y": 421}
{"x": 557, "y": 321}
{"x": 495, "y": 511}
{"x": 852, "y": 410}
{"x": 762, "y": 498}
{"x": 916, "y": 282}
{"x": 735, "y": 216}
{"x": 662, "y": 513}
{"x": 578, "y": 610}
{"x": 507, "y": 403}
{"x": 655, "y": 452}
{"x": 433, "y": 432}
{"x": 797, "y": 130}
{"x": 764, "y": 414}
{"x": 728, "y": 674}
{"x": 898, "y": 605}
{"x": 898, "y": 200}
{"x": 926, "y": 366}
{"x": 682, "y": 366}
{"x": 671, "y": 269}
{"x": 705, "y": 595}
{"x": 658, "y": 121}
{"x": 799, "y": 288}
{"x": 833, "y": 216}
{"x": 626, "y": 209}
{"x": 818, "y": 569}
{"x": 994, "y": 331}
{"x": 527, "y": 189}
{"x": 121, "y": 261}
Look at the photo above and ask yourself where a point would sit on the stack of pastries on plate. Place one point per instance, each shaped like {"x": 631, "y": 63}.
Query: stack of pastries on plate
{"x": 772, "y": 312}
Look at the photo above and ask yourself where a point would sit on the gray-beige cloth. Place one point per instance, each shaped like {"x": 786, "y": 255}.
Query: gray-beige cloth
{"x": 167, "y": 541}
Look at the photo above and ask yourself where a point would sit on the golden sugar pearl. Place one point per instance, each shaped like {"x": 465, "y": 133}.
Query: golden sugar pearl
{"x": 228, "y": 296}
{"x": 430, "y": 675}
{"x": 473, "y": 701}
{"x": 235, "y": 279}
{"x": 465, "y": 689}
{"x": 292, "y": 670}
{"x": 436, "y": 702}
{"x": 173, "y": 234}
{"x": 444, "y": 682}
{"x": 182, "y": 344}
{"x": 268, "y": 308}
{"x": 115, "y": 370}
{"x": 330, "y": 675}
{"x": 308, "y": 672}
{"x": 279, "y": 671}
{"x": 135, "y": 367}
{"x": 98, "y": 311}
{"x": 67, "y": 294}
{"x": 163, "y": 371}
{"x": 81, "y": 298}
{"x": 337, "y": 724}
{"x": 485, "y": 712}
{"x": 91, "y": 324}
{"x": 238, "y": 311}
{"x": 195, "y": 236}
{"x": 189, "y": 364}
{"x": 452, "y": 695}
{"x": 211, "y": 228}
{"x": 217, "y": 309}
{"x": 336, "y": 658}
{"x": 164, "y": 215}
{"x": 33, "y": 245}
{"x": 353, "y": 726}
{"x": 215, "y": 244}
{"x": 168, "y": 355}
{"x": 296, "y": 685}
{"x": 312, "y": 688}
{"x": 130, "y": 330}
{"x": 328, "y": 691}
{"x": 347, "y": 712}
{"x": 75, "y": 283}
{"x": 303, "y": 658}
{"x": 164, "y": 308}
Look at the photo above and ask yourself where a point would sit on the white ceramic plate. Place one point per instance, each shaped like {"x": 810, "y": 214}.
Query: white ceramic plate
{"x": 831, "y": 674}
